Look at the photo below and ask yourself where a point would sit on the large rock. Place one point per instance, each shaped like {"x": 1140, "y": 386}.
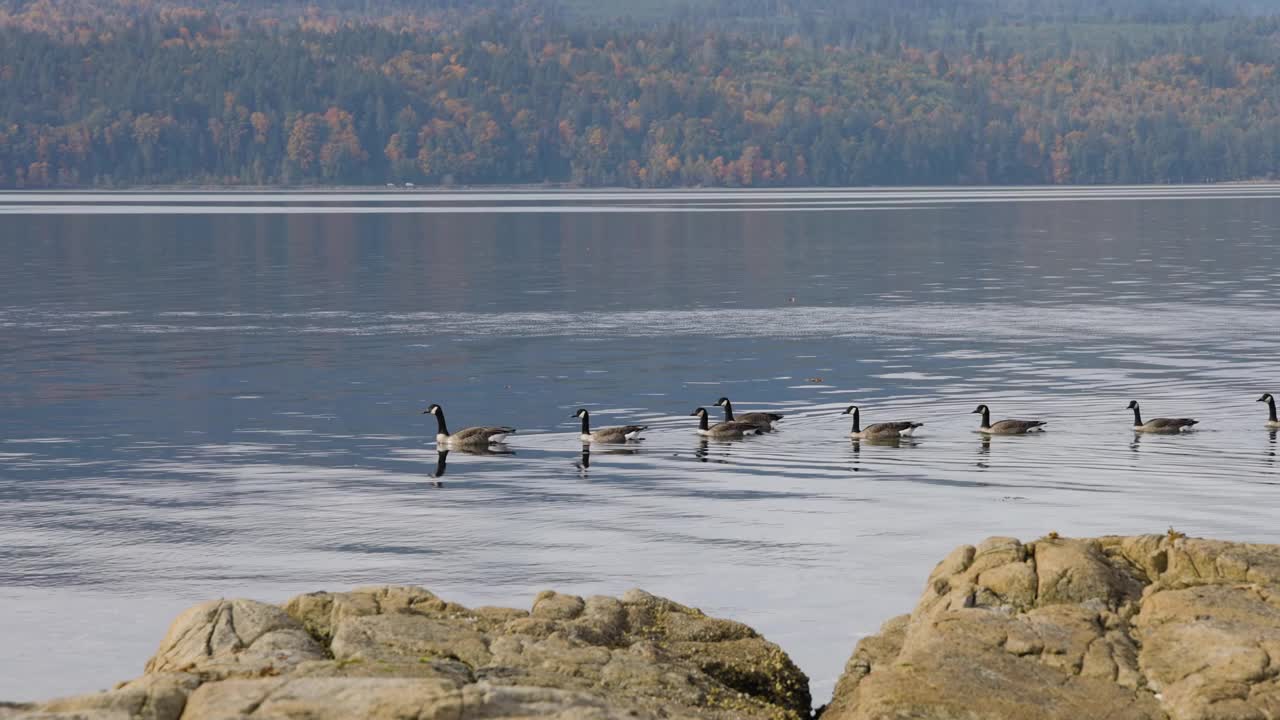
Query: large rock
{"x": 1127, "y": 628}
{"x": 402, "y": 652}
{"x": 234, "y": 638}
{"x": 151, "y": 697}
{"x": 12, "y": 710}
{"x": 1155, "y": 627}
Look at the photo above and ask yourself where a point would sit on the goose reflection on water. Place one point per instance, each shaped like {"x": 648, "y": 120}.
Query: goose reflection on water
{"x": 984, "y": 453}
{"x": 584, "y": 462}
{"x": 1140, "y": 437}
{"x": 889, "y": 442}
{"x": 986, "y": 440}
{"x": 442, "y": 459}
{"x": 855, "y": 444}
{"x": 703, "y": 451}
{"x": 442, "y": 463}
{"x": 984, "y": 447}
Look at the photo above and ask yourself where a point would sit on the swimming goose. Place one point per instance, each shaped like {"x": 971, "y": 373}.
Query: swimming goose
{"x": 1274, "y": 422}
{"x": 1007, "y": 427}
{"x": 1158, "y": 425}
{"x": 610, "y": 434}
{"x": 884, "y": 430}
{"x": 723, "y": 429}
{"x": 466, "y": 436}
{"x": 762, "y": 420}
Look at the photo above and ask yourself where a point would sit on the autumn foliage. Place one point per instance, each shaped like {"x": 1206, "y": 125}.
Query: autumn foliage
{"x": 117, "y": 94}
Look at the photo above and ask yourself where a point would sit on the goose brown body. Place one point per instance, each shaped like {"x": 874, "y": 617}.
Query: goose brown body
{"x": 761, "y": 420}
{"x": 1159, "y": 425}
{"x": 618, "y": 434}
{"x": 723, "y": 429}
{"x": 479, "y": 435}
{"x": 1007, "y": 427}
{"x": 879, "y": 431}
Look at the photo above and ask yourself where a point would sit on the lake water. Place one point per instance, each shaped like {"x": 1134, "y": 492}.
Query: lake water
{"x": 221, "y": 395}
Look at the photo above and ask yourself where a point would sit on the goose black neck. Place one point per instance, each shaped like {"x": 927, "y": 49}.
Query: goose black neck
{"x": 702, "y": 421}
{"x": 728, "y": 411}
{"x": 586, "y": 424}
{"x": 1137, "y": 416}
{"x": 986, "y": 417}
{"x": 857, "y": 423}
{"x": 1271, "y": 405}
{"x": 440, "y": 426}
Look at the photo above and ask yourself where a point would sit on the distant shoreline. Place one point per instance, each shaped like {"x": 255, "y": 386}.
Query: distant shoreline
{"x": 566, "y": 187}
{"x": 566, "y": 201}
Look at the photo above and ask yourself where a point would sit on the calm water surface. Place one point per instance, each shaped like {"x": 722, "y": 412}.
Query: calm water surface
{"x": 219, "y": 395}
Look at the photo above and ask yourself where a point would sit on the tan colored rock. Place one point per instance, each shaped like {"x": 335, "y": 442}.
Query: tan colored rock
{"x": 1157, "y": 627}
{"x": 1208, "y": 649}
{"x": 36, "y": 714}
{"x": 402, "y": 652}
{"x": 320, "y": 612}
{"x": 234, "y": 637}
{"x": 324, "y": 698}
{"x": 555, "y": 606}
{"x": 602, "y": 622}
{"x": 150, "y": 697}
{"x": 407, "y": 638}
{"x": 1076, "y": 571}
{"x": 1127, "y": 628}
{"x": 393, "y": 698}
{"x": 10, "y": 710}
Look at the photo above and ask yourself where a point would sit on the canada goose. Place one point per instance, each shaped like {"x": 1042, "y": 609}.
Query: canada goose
{"x": 1273, "y": 422}
{"x": 1158, "y": 425}
{"x": 723, "y": 429}
{"x": 466, "y": 436}
{"x": 762, "y": 420}
{"x": 1007, "y": 427}
{"x": 884, "y": 430}
{"x": 610, "y": 434}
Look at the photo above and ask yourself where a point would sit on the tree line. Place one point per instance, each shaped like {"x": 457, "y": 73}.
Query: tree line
{"x": 744, "y": 94}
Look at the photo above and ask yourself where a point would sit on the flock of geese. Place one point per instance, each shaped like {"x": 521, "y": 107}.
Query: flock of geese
{"x": 755, "y": 423}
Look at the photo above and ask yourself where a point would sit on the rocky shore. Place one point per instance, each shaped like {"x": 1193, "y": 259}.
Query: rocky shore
{"x": 1143, "y": 627}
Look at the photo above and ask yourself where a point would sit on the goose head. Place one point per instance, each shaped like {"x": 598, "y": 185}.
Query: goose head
{"x": 433, "y": 410}
{"x": 1133, "y": 405}
{"x": 849, "y": 410}
{"x": 1266, "y": 397}
{"x": 582, "y": 412}
{"x": 700, "y": 412}
{"x": 980, "y": 409}
{"x": 722, "y": 402}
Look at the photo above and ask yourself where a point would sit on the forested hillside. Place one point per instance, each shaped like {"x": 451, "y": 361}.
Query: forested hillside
{"x": 650, "y": 93}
